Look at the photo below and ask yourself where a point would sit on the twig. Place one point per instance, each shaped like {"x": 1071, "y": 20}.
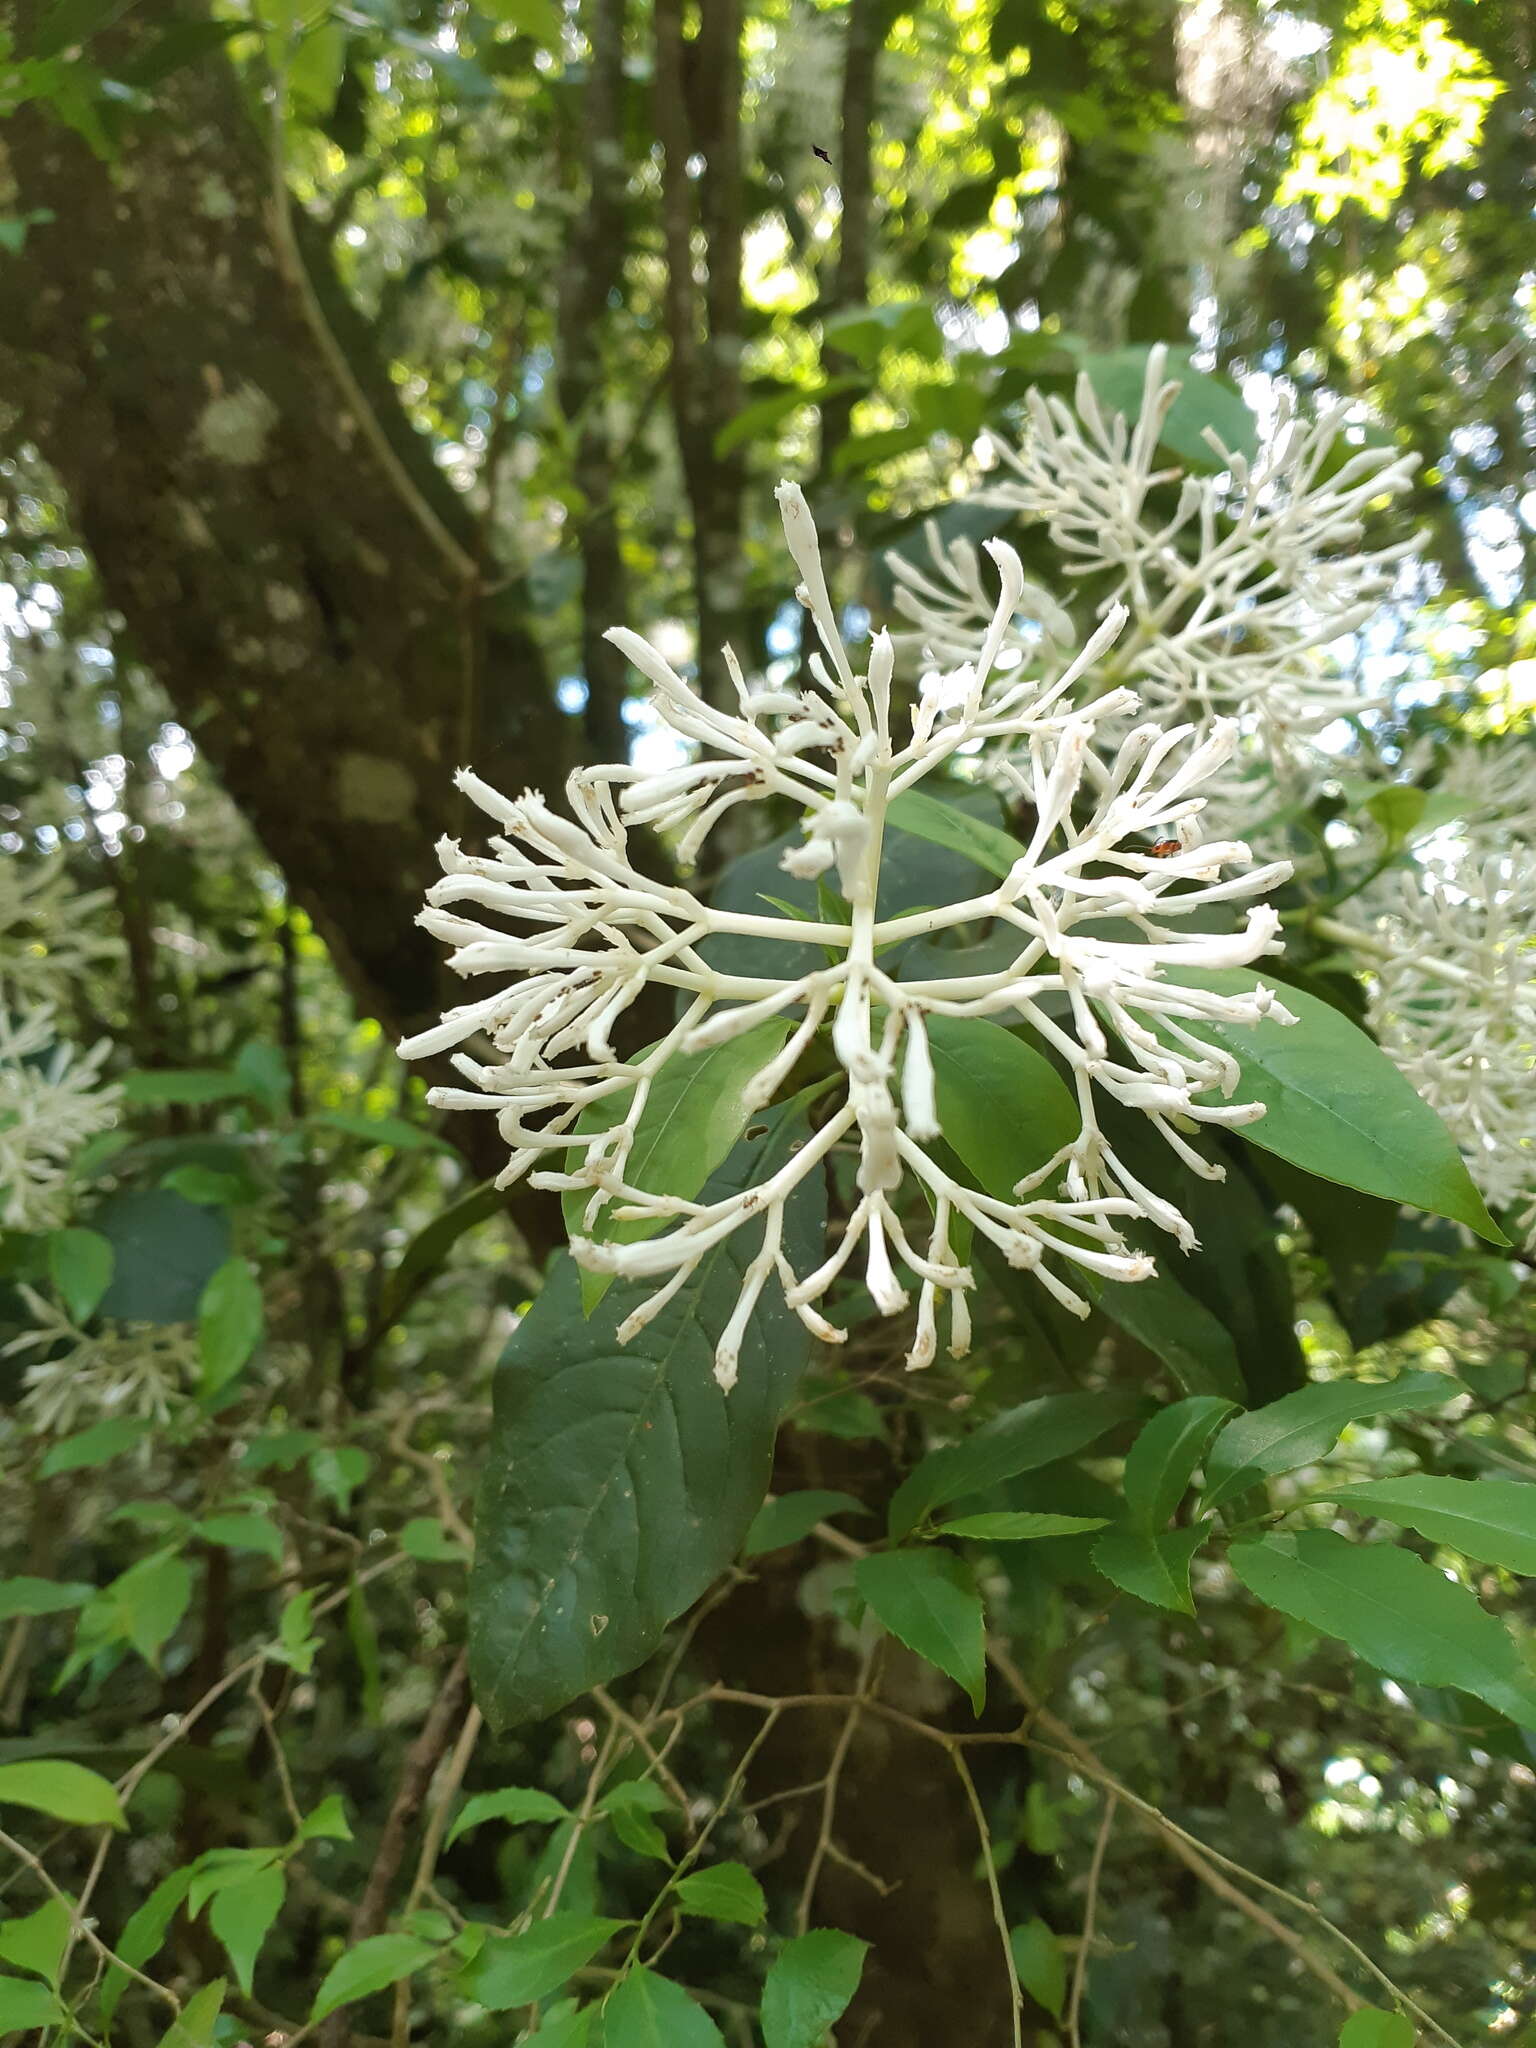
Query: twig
{"x": 449, "y": 1780}
{"x": 1090, "y": 1910}
{"x": 80, "y": 1926}
{"x": 963, "y": 1771}
{"x": 829, "y": 1797}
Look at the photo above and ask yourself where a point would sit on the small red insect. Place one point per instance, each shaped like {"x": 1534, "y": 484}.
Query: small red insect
{"x": 1164, "y": 849}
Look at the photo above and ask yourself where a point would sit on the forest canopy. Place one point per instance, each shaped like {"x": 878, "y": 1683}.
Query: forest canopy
{"x": 767, "y": 1023}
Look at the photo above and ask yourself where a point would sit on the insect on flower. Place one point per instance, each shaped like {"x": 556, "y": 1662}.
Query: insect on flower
{"x": 1165, "y": 849}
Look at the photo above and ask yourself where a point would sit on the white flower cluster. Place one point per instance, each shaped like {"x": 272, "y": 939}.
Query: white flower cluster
{"x": 1454, "y": 1003}
{"x": 49, "y": 933}
{"x": 139, "y": 1370}
{"x": 52, "y": 1098}
{"x": 1234, "y": 590}
{"x": 1094, "y": 914}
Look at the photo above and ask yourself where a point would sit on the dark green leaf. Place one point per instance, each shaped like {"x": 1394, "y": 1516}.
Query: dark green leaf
{"x": 193, "y": 2026}
{"x": 1003, "y": 1107}
{"x": 516, "y": 1969}
{"x": 1493, "y": 1520}
{"x": 1118, "y": 379}
{"x": 1336, "y": 1105}
{"x": 928, "y": 1600}
{"x": 765, "y": 413}
{"x": 1172, "y": 1324}
{"x": 392, "y": 1131}
{"x": 630, "y": 1806}
{"x": 1161, "y": 1462}
{"x": 80, "y": 1266}
{"x": 621, "y": 1479}
{"x": 1302, "y": 1427}
{"x": 166, "y": 1249}
{"x": 793, "y": 1516}
{"x": 809, "y": 1987}
{"x": 1021, "y": 1439}
{"x": 143, "y": 1936}
{"x": 1151, "y": 1563}
{"x": 1394, "y": 1610}
{"x": 693, "y": 1115}
{"x": 726, "y": 1891}
{"x": 430, "y": 1247}
{"x": 158, "y": 1087}
{"x": 944, "y": 824}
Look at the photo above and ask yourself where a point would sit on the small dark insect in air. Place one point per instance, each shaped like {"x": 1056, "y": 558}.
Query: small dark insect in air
{"x": 1164, "y": 849}
{"x": 816, "y": 151}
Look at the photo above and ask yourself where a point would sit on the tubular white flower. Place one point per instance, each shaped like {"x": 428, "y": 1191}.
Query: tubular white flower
{"x": 1095, "y": 916}
{"x": 1454, "y": 1003}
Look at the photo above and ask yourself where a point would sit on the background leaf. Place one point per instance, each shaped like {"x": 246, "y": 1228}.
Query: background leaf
{"x": 1304, "y": 1426}
{"x": 928, "y": 1600}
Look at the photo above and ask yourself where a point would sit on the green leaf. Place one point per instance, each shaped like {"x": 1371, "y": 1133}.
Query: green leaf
{"x": 328, "y": 1821}
{"x": 518, "y": 1804}
{"x": 630, "y": 1806}
{"x": 647, "y": 2011}
{"x": 193, "y": 2026}
{"x": 537, "y": 18}
{"x": 1151, "y": 1563}
{"x": 516, "y": 1969}
{"x": 1370, "y": 2027}
{"x": 726, "y": 1891}
{"x": 928, "y": 1600}
{"x": 426, "y": 1538}
{"x": 1118, "y": 378}
{"x": 26, "y": 2003}
{"x": 621, "y": 1480}
{"x": 1019, "y": 1440}
{"x": 693, "y": 1115}
{"x": 1002, "y": 1106}
{"x": 243, "y": 1532}
{"x": 1041, "y": 1964}
{"x": 1493, "y": 1520}
{"x": 1394, "y": 1610}
{"x": 210, "y": 1188}
{"x": 1161, "y": 1462}
{"x": 64, "y": 1791}
{"x": 80, "y": 1266}
{"x": 942, "y": 824}
{"x": 97, "y": 1445}
{"x": 160, "y": 1087}
{"x": 229, "y": 1322}
{"x": 241, "y": 1916}
{"x": 765, "y": 413}
{"x": 143, "y": 1936}
{"x": 1302, "y": 1427}
{"x": 1336, "y": 1105}
{"x": 37, "y": 1941}
{"x": 338, "y": 1470}
{"x": 296, "y": 1640}
{"x": 392, "y": 1131}
{"x": 166, "y": 1248}
{"x": 809, "y": 1987}
{"x": 1175, "y": 1327}
{"x": 315, "y": 71}
{"x": 1021, "y": 1527}
{"x": 375, "y": 1964}
{"x": 148, "y": 1602}
{"x": 429, "y": 1249}
{"x": 791, "y": 1518}
{"x": 41, "y": 1596}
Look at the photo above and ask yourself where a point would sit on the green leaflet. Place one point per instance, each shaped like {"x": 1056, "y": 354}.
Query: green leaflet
{"x": 1392, "y": 1609}
{"x": 810, "y": 1986}
{"x": 1304, "y": 1426}
{"x": 1493, "y": 1520}
{"x": 928, "y": 1600}
{"x": 1336, "y": 1105}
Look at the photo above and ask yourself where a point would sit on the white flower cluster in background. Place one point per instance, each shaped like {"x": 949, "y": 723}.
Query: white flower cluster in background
{"x": 1454, "y": 1003}
{"x": 52, "y": 1099}
{"x": 49, "y": 933}
{"x": 141, "y": 1370}
{"x": 1234, "y": 592}
{"x": 592, "y": 929}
